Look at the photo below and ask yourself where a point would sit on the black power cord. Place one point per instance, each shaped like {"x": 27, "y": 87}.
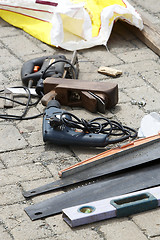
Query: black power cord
{"x": 74, "y": 71}
{"x": 100, "y": 125}
{"x": 40, "y": 86}
{"x": 27, "y": 105}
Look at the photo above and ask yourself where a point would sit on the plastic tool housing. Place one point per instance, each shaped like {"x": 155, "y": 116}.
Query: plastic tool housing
{"x": 34, "y": 68}
{"x": 63, "y": 135}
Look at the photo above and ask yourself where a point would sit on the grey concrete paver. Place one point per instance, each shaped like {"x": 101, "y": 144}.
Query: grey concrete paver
{"x": 138, "y": 55}
{"x": 4, "y": 234}
{"x": 23, "y": 156}
{"x": 141, "y": 93}
{"x": 139, "y": 44}
{"x": 117, "y": 44}
{"x": 133, "y": 118}
{"x": 1, "y": 165}
{"x": 136, "y": 67}
{"x": 129, "y": 82}
{"x": 83, "y": 153}
{"x": 123, "y": 98}
{"x": 8, "y": 61}
{"x": 123, "y": 32}
{"x": 27, "y": 162}
{"x": 149, "y": 222}
{"x": 16, "y": 222}
{"x": 23, "y": 173}
{"x": 8, "y": 142}
{"x": 152, "y": 80}
{"x": 93, "y": 76}
{"x": 122, "y": 229}
{"x": 29, "y": 126}
{"x": 82, "y": 232}
{"x": 56, "y": 167}
{"x": 35, "y": 139}
{"x": 3, "y": 79}
{"x": 10, "y": 194}
{"x": 9, "y": 31}
{"x": 25, "y": 46}
{"x": 12, "y": 78}
{"x": 102, "y": 57}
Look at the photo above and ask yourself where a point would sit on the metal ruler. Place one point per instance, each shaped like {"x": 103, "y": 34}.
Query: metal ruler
{"x": 120, "y": 206}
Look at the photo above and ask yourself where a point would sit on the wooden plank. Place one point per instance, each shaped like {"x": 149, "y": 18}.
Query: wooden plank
{"x": 150, "y": 35}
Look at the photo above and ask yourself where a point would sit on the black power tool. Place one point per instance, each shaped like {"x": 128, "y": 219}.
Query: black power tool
{"x": 34, "y": 71}
{"x": 64, "y": 128}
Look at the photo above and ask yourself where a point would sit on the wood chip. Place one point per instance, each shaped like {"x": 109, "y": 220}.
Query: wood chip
{"x": 109, "y": 71}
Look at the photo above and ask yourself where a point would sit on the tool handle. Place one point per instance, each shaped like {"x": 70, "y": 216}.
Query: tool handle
{"x": 27, "y": 71}
{"x": 57, "y": 70}
{"x": 48, "y": 97}
{"x": 134, "y": 204}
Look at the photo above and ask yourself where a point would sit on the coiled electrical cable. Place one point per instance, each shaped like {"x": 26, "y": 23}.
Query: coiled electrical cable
{"x": 99, "y": 125}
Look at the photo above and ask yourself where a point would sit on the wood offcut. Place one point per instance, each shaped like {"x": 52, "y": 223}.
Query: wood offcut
{"x": 150, "y": 35}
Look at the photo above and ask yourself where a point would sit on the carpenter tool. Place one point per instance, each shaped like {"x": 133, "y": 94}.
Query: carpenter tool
{"x": 36, "y": 70}
{"x": 137, "y": 178}
{"x": 120, "y": 206}
{"x": 63, "y": 128}
{"x": 113, "y": 153}
{"x": 91, "y": 95}
{"x": 65, "y": 135}
{"x": 105, "y": 164}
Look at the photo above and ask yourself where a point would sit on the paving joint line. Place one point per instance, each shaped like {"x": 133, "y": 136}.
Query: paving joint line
{"x": 148, "y": 83}
{"x": 142, "y": 230}
{"x": 6, "y": 229}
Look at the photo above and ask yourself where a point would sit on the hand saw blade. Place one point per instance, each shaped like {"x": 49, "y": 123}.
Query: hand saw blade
{"x": 127, "y": 182}
{"x": 108, "y": 165}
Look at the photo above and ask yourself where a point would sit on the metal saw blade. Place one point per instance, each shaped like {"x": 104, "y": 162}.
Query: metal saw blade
{"x": 126, "y": 182}
{"x": 108, "y": 165}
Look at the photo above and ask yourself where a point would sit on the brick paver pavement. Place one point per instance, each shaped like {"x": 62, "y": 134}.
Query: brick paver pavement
{"x": 26, "y": 162}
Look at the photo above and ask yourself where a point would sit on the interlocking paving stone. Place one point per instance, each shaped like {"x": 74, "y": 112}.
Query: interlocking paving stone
{"x": 27, "y": 162}
{"x": 11, "y": 139}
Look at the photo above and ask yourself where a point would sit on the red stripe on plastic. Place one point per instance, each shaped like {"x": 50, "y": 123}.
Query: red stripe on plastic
{"x": 47, "y": 3}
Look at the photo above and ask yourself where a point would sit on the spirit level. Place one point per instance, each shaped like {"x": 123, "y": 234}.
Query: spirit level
{"x": 121, "y": 206}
